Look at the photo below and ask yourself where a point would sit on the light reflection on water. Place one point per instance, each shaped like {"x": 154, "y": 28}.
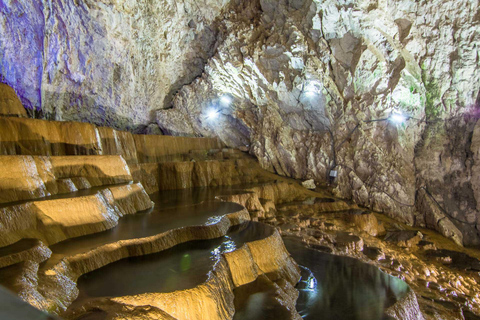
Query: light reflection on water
{"x": 335, "y": 287}
{"x": 213, "y": 220}
{"x": 181, "y": 267}
{"x": 228, "y": 245}
{"x": 309, "y": 290}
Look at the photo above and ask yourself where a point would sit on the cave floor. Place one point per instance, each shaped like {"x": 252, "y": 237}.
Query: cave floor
{"x": 444, "y": 275}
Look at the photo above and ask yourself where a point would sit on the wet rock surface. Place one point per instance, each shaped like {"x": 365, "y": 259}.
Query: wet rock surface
{"x": 309, "y": 86}
{"x": 442, "y": 275}
{"x": 181, "y": 267}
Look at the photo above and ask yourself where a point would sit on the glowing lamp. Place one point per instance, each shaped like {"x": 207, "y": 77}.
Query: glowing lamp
{"x": 397, "y": 117}
{"x": 212, "y": 114}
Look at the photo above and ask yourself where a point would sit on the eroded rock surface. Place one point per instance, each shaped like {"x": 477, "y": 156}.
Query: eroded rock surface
{"x": 300, "y": 84}
{"x": 444, "y": 281}
{"x": 306, "y": 79}
{"x": 141, "y": 52}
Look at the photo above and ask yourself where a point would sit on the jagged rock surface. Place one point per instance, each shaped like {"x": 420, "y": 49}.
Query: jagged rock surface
{"x": 305, "y": 78}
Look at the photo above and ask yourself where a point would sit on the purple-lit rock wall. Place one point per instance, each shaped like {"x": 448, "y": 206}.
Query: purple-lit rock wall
{"x": 107, "y": 62}
{"x": 22, "y": 30}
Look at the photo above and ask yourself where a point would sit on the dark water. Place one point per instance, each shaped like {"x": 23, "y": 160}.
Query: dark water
{"x": 332, "y": 287}
{"x": 341, "y": 288}
{"x": 173, "y": 209}
{"x": 181, "y": 267}
{"x": 19, "y": 246}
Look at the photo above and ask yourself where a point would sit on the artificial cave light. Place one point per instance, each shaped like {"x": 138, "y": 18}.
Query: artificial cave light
{"x": 397, "y": 117}
{"x": 212, "y": 114}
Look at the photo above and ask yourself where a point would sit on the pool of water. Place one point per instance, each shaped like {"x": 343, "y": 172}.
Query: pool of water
{"x": 335, "y": 287}
{"x": 174, "y": 209}
{"x": 181, "y": 267}
{"x": 332, "y": 287}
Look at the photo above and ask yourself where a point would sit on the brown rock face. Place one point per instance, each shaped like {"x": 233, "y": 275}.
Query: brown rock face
{"x": 407, "y": 239}
{"x": 10, "y": 105}
{"x": 448, "y": 163}
{"x": 54, "y": 138}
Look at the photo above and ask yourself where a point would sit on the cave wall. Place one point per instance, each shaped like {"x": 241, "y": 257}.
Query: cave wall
{"x": 305, "y": 77}
{"x": 360, "y": 59}
{"x": 109, "y": 62}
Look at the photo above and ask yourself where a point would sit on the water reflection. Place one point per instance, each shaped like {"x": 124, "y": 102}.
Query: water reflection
{"x": 166, "y": 215}
{"x": 336, "y": 287}
{"x": 181, "y": 267}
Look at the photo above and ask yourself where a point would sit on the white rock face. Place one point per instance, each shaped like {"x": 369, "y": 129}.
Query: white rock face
{"x": 307, "y": 79}
{"x": 310, "y": 82}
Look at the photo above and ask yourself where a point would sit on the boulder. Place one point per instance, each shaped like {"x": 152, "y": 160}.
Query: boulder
{"x": 309, "y": 184}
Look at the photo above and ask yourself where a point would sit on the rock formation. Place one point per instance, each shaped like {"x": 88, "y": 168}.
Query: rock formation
{"x": 300, "y": 83}
{"x": 308, "y": 78}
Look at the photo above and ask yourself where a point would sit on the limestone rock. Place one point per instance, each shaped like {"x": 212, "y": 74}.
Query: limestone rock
{"x": 307, "y": 82}
{"x": 407, "y": 308}
{"x": 349, "y": 242}
{"x": 407, "y": 239}
{"x": 435, "y": 217}
{"x": 309, "y": 184}
{"x": 31, "y": 177}
{"x": 247, "y": 199}
{"x": 458, "y": 260}
{"x": 365, "y": 221}
{"x": 130, "y": 47}
{"x": 19, "y": 136}
{"x": 23, "y": 250}
{"x": 373, "y": 253}
{"x": 54, "y": 220}
{"x": 213, "y": 299}
{"x": 181, "y": 175}
{"x": 304, "y": 95}
{"x": 10, "y": 105}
